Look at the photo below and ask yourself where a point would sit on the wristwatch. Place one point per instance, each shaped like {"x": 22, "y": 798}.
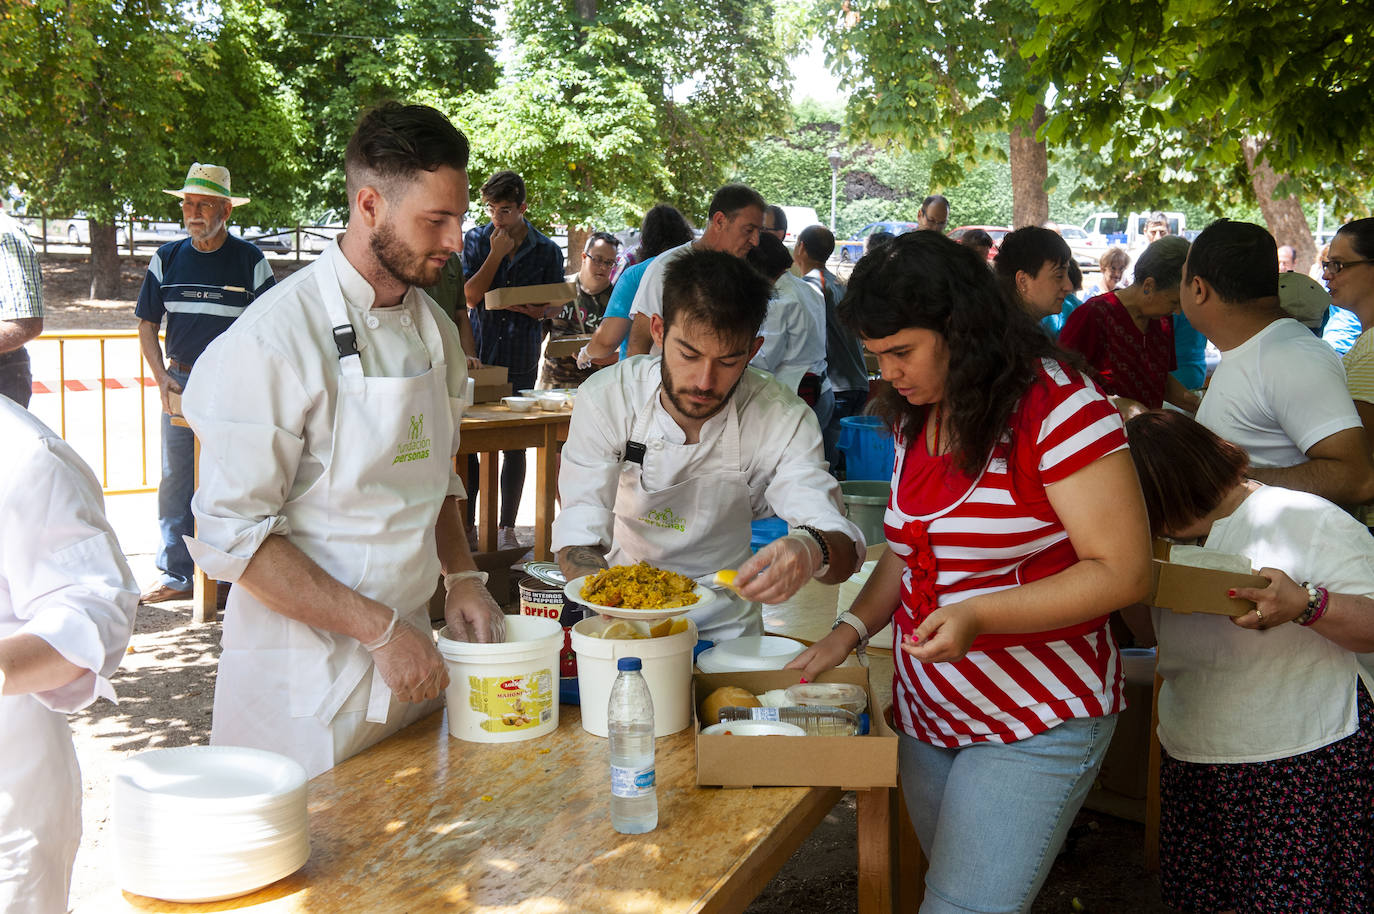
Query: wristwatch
{"x": 860, "y": 649}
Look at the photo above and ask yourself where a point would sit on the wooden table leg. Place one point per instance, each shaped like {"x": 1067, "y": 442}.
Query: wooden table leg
{"x": 911, "y": 863}
{"x": 204, "y": 590}
{"x": 546, "y": 491}
{"x": 877, "y": 841}
{"x": 490, "y": 488}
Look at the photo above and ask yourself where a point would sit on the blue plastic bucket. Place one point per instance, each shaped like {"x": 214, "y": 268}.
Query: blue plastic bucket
{"x": 765, "y": 530}
{"x": 868, "y": 449}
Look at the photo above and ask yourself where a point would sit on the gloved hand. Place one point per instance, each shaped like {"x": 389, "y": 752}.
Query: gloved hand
{"x": 472, "y": 614}
{"x": 584, "y": 359}
{"x": 780, "y": 569}
{"x": 411, "y": 665}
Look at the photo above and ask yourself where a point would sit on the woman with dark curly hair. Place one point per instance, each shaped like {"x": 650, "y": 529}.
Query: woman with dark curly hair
{"x": 1016, "y": 526}
{"x": 1267, "y": 781}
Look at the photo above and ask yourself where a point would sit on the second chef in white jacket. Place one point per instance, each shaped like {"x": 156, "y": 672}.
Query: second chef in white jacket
{"x": 670, "y": 457}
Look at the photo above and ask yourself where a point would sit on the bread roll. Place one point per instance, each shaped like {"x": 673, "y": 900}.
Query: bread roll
{"x": 726, "y": 697}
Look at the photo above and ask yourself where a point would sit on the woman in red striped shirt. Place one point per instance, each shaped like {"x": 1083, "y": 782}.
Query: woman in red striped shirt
{"x": 1016, "y": 525}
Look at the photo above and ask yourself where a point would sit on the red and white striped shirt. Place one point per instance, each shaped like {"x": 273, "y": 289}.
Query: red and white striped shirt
{"x": 963, "y": 537}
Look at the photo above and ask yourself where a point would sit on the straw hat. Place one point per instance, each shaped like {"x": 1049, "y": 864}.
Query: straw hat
{"x": 1303, "y": 298}
{"x": 209, "y": 181}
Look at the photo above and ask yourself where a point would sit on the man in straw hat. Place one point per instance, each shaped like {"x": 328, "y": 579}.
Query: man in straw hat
{"x": 201, "y": 283}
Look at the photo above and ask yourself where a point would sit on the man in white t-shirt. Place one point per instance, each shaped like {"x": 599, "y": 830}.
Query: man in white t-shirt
{"x": 734, "y": 219}
{"x": 1279, "y": 392}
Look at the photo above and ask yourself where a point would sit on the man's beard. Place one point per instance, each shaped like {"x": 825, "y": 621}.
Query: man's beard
{"x": 401, "y": 261}
{"x": 692, "y": 410}
{"x": 211, "y": 229}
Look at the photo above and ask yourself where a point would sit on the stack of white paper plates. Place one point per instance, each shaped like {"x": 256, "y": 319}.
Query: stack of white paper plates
{"x": 202, "y": 823}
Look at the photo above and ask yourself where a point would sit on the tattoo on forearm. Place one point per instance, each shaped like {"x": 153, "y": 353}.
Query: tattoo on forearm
{"x": 584, "y": 557}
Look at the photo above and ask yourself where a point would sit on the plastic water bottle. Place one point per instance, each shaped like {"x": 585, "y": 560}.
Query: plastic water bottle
{"x": 630, "y": 720}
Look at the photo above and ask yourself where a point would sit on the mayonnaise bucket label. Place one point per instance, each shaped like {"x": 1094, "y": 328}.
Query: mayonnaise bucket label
{"x": 514, "y": 703}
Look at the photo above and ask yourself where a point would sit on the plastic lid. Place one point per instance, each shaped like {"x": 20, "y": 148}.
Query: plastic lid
{"x": 845, "y": 695}
{"x": 628, "y": 663}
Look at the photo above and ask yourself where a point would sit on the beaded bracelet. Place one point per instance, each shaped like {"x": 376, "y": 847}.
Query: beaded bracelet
{"x": 1318, "y": 598}
{"x": 819, "y": 537}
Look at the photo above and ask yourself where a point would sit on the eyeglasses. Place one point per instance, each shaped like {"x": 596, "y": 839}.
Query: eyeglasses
{"x": 600, "y": 261}
{"x": 503, "y": 211}
{"x": 1334, "y": 267}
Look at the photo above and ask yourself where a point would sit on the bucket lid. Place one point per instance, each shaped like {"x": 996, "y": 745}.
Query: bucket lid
{"x": 547, "y": 572}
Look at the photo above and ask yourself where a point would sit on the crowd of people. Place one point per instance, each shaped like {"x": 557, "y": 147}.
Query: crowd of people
{"x": 1041, "y": 440}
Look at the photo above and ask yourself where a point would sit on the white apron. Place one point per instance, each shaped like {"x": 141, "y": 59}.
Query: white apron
{"x": 40, "y": 807}
{"x": 695, "y": 528}
{"x": 369, "y": 522}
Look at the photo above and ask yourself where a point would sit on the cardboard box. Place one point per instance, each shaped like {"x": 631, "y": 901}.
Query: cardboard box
{"x": 552, "y": 293}
{"x": 851, "y": 762}
{"x": 1185, "y": 589}
{"x": 565, "y": 346}
{"x": 489, "y": 383}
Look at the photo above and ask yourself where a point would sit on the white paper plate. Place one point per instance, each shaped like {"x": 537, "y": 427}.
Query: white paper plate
{"x": 194, "y": 775}
{"x": 751, "y": 653}
{"x": 573, "y": 591}
{"x": 753, "y": 728}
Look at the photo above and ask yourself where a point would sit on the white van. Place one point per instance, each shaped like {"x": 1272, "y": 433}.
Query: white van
{"x": 1109, "y": 228}
{"x": 1105, "y": 229}
{"x": 798, "y": 218}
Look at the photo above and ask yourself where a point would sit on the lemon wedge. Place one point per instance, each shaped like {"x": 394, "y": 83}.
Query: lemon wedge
{"x": 678, "y": 627}
{"x": 622, "y": 630}
{"x": 661, "y": 629}
{"x": 726, "y": 578}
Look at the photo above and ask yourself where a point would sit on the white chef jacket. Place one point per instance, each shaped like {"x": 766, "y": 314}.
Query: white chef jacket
{"x": 793, "y": 341}
{"x": 64, "y": 579}
{"x": 262, "y": 399}
{"x": 780, "y": 442}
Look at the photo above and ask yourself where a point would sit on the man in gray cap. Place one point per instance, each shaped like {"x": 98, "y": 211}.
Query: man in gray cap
{"x": 201, "y": 283}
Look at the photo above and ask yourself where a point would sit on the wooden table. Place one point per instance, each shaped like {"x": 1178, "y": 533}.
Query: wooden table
{"x": 423, "y": 822}
{"x": 487, "y": 429}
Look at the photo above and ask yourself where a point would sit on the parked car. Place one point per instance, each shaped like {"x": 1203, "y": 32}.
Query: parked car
{"x": 316, "y": 235}
{"x": 798, "y": 218}
{"x": 1086, "y": 249}
{"x": 853, "y": 249}
{"x": 276, "y": 240}
{"x": 997, "y": 233}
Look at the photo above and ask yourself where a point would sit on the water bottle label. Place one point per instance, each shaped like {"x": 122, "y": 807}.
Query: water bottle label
{"x": 631, "y": 782}
{"x": 765, "y": 714}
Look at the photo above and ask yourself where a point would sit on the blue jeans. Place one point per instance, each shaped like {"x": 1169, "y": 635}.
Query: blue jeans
{"x": 992, "y": 817}
{"x": 847, "y": 403}
{"x": 174, "y": 500}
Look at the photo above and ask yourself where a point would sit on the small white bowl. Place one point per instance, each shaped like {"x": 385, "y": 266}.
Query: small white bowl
{"x": 753, "y": 728}
{"x": 532, "y": 393}
{"x": 519, "y": 404}
{"x": 552, "y": 402}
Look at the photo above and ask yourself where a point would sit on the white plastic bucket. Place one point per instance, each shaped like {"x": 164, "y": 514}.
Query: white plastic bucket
{"x": 503, "y": 693}
{"x": 667, "y": 669}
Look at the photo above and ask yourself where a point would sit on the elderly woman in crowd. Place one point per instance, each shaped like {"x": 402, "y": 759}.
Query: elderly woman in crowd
{"x": 1348, "y": 268}
{"x": 1016, "y": 526}
{"x": 1113, "y": 264}
{"x": 1127, "y": 336}
{"x": 1267, "y": 786}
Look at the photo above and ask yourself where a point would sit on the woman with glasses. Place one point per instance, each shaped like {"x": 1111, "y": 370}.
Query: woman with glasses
{"x": 1348, "y": 269}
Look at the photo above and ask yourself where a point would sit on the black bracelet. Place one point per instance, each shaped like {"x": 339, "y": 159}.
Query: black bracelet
{"x": 819, "y": 537}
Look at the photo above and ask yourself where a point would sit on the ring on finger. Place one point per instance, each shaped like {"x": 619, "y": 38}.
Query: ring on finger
{"x": 1259, "y": 614}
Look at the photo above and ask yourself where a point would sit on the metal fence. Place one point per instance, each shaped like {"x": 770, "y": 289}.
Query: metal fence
{"x": 133, "y": 235}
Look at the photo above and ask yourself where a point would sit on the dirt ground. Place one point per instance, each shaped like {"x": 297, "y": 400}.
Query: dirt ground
{"x": 166, "y": 689}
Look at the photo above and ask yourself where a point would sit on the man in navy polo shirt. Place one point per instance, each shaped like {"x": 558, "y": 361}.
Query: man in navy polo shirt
{"x": 201, "y": 283}
{"x": 507, "y": 252}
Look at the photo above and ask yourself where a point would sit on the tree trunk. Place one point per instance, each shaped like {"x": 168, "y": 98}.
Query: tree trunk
{"x": 577, "y": 240}
{"x": 1030, "y": 167}
{"x": 1284, "y": 217}
{"x": 104, "y": 260}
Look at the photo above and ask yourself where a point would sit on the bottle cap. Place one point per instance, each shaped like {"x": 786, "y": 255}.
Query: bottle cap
{"x": 628, "y": 663}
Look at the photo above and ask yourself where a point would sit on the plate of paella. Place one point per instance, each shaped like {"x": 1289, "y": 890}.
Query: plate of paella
{"x": 638, "y": 592}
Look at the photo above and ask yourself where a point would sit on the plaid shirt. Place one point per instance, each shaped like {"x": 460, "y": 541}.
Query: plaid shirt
{"x": 505, "y": 337}
{"x": 21, "y": 280}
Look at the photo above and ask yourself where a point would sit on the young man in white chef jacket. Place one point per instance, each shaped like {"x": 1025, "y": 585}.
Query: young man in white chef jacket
{"x": 67, "y": 603}
{"x": 670, "y": 457}
{"x": 328, "y": 421}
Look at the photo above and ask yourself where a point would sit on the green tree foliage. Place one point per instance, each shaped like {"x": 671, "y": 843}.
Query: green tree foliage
{"x": 607, "y": 109}
{"x": 887, "y": 182}
{"x": 1167, "y": 104}
{"x": 340, "y": 57}
{"x": 944, "y": 73}
{"x": 103, "y": 103}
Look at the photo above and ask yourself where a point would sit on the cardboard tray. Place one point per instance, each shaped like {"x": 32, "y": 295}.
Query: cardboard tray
{"x": 552, "y": 293}
{"x": 1184, "y": 589}
{"x": 850, "y": 762}
{"x": 565, "y": 346}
